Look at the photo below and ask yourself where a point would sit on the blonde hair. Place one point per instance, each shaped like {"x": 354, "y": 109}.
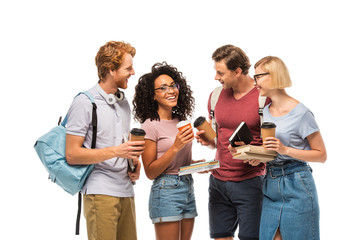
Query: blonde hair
{"x": 279, "y": 73}
{"x": 111, "y": 56}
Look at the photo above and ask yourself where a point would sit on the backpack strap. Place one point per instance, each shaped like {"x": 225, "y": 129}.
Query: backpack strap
{"x": 213, "y": 100}
{"x": 94, "y": 118}
{"x": 262, "y": 100}
{"x": 93, "y": 121}
{"x": 93, "y": 145}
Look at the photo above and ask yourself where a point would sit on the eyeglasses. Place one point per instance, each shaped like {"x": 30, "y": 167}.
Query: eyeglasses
{"x": 166, "y": 88}
{"x": 257, "y": 76}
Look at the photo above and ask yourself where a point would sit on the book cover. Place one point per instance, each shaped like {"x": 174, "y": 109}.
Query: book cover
{"x": 199, "y": 167}
{"x": 241, "y": 134}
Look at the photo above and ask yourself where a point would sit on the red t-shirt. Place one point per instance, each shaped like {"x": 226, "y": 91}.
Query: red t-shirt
{"x": 229, "y": 113}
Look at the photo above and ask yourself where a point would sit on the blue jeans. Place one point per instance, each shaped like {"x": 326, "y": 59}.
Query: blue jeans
{"x": 172, "y": 198}
{"x": 290, "y": 203}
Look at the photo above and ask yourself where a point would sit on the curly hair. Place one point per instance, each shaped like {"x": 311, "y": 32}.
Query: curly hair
{"x": 144, "y": 104}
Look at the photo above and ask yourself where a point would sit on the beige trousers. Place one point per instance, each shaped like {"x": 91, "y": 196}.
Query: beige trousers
{"x": 110, "y": 218}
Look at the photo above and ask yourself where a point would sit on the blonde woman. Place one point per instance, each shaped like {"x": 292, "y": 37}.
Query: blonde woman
{"x": 290, "y": 206}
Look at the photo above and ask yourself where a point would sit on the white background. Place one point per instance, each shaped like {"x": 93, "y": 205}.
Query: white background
{"x": 47, "y": 56}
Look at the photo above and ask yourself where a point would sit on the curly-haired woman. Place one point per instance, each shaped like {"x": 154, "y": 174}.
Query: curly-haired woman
{"x": 162, "y": 99}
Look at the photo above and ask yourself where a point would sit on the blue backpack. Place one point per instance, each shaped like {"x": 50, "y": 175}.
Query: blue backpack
{"x": 51, "y": 150}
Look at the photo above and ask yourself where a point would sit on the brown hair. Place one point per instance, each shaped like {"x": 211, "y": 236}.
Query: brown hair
{"x": 279, "y": 73}
{"x": 234, "y": 58}
{"x": 111, "y": 56}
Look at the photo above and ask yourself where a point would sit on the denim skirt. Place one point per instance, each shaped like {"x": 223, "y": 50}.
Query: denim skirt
{"x": 172, "y": 198}
{"x": 290, "y": 203}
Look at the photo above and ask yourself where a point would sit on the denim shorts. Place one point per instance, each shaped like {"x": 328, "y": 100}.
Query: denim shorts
{"x": 290, "y": 203}
{"x": 172, "y": 198}
{"x": 233, "y": 204}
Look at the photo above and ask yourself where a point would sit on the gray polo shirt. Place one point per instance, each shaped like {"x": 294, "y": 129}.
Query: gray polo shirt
{"x": 109, "y": 177}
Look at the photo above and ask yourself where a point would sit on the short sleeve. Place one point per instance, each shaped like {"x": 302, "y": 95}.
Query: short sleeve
{"x": 308, "y": 124}
{"x": 79, "y": 116}
{"x": 151, "y": 132}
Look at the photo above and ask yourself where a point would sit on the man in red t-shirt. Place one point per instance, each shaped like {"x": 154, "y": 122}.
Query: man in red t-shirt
{"x": 235, "y": 190}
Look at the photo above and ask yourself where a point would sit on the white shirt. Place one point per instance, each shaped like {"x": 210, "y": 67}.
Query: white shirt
{"x": 109, "y": 177}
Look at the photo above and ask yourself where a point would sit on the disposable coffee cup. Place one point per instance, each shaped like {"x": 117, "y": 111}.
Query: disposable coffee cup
{"x": 267, "y": 130}
{"x": 136, "y": 134}
{"x": 201, "y": 124}
{"x": 183, "y": 124}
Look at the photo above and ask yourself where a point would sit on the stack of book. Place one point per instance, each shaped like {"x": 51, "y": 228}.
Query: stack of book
{"x": 246, "y": 152}
{"x": 199, "y": 167}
